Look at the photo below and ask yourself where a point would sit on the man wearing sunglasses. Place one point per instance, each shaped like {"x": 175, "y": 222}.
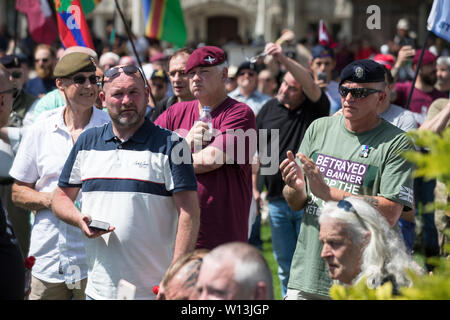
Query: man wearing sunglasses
{"x": 131, "y": 182}
{"x": 23, "y": 102}
{"x": 358, "y": 154}
{"x": 60, "y": 270}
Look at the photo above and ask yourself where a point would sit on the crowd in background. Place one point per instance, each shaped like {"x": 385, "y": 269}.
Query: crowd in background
{"x": 261, "y": 83}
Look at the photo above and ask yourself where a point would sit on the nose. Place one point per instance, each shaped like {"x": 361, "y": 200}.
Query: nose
{"x": 326, "y": 252}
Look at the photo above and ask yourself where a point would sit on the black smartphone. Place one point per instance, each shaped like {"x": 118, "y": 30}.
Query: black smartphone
{"x": 322, "y": 76}
{"x": 99, "y": 225}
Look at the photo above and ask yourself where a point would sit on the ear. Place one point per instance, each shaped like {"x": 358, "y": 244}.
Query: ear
{"x": 101, "y": 95}
{"x": 260, "y": 291}
{"x": 59, "y": 83}
{"x": 225, "y": 74}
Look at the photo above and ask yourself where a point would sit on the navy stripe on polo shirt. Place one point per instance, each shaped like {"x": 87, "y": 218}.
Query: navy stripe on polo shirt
{"x": 145, "y": 160}
{"x": 125, "y": 185}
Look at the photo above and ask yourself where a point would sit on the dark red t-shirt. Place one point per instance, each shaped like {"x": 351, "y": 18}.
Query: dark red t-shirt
{"x": 419, "y": 98}
{"x": 225, "y": 194}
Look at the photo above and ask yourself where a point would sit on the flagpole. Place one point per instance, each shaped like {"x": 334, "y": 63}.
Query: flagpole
{"x": 127, "y": 29}
{"x": 419, "y": 63}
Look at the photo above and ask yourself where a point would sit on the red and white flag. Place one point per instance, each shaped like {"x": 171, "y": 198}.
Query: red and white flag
{"x": 325, "y": 38}
{"x": 41, "y": 23}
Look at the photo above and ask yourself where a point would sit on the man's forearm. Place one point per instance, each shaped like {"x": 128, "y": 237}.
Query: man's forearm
{"x": 389, "y": 209}
{"x": 188, "y": 222}
{"x": 208, "y": 159}
{"x": 30, "y": 199}
{"x": 64, "y": 208}
{"x": 296, "y": 199}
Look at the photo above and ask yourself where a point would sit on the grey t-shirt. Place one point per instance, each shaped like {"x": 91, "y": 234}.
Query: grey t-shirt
{"x": 400, "y": 117}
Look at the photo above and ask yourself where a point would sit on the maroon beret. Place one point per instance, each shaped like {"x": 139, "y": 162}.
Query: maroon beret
{"x": 207, "y": 56}
{"x": 428, "y": 57}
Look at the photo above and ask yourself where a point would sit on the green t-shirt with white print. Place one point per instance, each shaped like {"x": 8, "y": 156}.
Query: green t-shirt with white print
{"x": 368, "y": 163}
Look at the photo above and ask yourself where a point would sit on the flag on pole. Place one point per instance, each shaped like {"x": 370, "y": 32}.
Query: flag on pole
{"x": 325, "y": 38}
{"x": 72, "y": 25}
{"x": 164, "y": 21}
{"x": 41, "y": 23}
{"x": 439, "y": 19}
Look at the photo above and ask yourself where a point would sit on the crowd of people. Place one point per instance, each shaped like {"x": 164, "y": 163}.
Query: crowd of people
{"x": 110, "y": 172}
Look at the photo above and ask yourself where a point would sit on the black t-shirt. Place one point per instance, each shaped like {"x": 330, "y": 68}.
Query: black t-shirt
{"x": 292, "y": 126}
{"x": 12, "y": 269}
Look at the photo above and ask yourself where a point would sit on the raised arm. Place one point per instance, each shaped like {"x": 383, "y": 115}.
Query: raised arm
{"x": 295, "y": 189}
{"x": 300, "y": 73}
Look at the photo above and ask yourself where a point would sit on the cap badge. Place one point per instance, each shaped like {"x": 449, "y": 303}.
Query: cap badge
{"x": 359, "y": 72}
{"x": 210, "y": 59}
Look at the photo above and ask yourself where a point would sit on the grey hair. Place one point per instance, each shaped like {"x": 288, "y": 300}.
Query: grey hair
{"x": 384, "y": 253}
{"x": 250, "y": 267}
{"x": 443, "y": 60}
{"x": 222, "y": 66}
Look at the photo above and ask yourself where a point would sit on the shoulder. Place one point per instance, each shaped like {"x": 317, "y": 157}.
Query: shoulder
{"x": 438, "y": 105}
{"x": 100, "y": 116}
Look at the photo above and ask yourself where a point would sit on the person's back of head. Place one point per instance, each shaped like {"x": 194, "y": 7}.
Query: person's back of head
{"x": 235, "y": 271}
{"x": 179, "y": 281}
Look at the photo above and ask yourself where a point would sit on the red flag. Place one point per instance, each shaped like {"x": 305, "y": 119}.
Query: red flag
{"x": 325, "y": 38}
{"x": 41, "y": 24}
{"x": 72, "y": 25}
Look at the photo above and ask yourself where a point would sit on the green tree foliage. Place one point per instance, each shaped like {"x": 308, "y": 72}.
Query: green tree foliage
{"x": 432, "y": 165}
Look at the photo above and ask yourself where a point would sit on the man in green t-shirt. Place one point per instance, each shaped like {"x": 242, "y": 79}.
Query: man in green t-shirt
{"x": 355, "y": 154}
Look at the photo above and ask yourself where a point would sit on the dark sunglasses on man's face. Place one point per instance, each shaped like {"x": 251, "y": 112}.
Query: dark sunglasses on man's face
{"x": 357, "y": 93}
{"x": 115, "y": 72}
{"x": 80, "y": 79}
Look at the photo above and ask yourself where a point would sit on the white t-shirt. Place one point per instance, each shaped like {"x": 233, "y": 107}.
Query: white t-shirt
{"x": 57, "y": 246}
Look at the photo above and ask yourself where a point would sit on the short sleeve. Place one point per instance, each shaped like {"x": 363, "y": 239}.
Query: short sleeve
{"x": 24, "y": 167}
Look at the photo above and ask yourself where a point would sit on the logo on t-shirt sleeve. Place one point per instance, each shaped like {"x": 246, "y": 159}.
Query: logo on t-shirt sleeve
{"x": 406, "y": 194}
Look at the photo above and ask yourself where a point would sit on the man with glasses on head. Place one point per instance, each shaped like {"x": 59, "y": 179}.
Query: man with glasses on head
{"x": 132, "y": 180}
{"x": 354, "y": 154}
{"x": 60, "y": 270}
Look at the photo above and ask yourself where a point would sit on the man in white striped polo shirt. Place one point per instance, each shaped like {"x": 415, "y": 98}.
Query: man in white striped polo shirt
{"x": 130, "y": 179}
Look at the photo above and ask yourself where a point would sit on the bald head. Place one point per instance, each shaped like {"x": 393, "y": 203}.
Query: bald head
{"x": 235, "y": 271}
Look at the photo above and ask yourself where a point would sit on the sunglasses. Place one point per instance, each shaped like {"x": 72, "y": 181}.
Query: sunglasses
{"x": 357, "y": 93}
{"x": 80, "y": 79}
{"x": 16, "y": 74}
{"x": 347, "y": 206}
{"x": 115, "y": 72}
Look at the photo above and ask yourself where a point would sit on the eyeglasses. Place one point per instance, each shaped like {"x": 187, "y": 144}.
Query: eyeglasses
{"x": 80, "y": 79}
{"x": 16, "y": 74}
{"x": 347, "y": 206}
{"x": 357, "y": 93}
{"x": 115, "y": 72}
{"x": 12, "y": 90}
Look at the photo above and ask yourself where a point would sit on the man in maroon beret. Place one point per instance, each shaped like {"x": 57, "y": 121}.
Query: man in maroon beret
{"x": 424, "y": 92}
{"x": 223, "y": 163}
